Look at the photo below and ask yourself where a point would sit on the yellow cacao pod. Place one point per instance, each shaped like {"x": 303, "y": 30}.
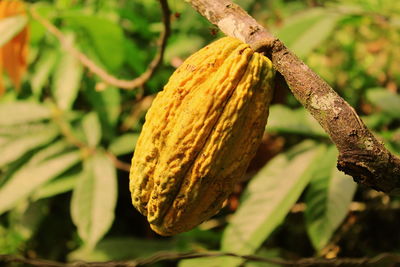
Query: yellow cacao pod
{"x": 200, "y": 134}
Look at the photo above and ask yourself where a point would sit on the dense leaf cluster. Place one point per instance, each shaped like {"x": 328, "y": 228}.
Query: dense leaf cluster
{"x": 66, "y": 138}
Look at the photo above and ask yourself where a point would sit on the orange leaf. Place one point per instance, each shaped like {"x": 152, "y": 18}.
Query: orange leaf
{"x": 13, "y": 54}
{"x": 1, "y": 75}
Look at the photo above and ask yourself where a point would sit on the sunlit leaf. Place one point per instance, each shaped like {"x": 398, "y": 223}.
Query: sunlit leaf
{"x": 111, "y": 99}
{"x": 327, "y": 199}
{"x": 9, "y": 170}
{"x": 181, "y": 46}
{"x": 4, "y": 140}
{"x": 21, "y": 112}
{"x": 92, "y": 129}
{"x": 42, "y": 71}
{"x": 107, "y": 105}
{"x": 17, "y": 147}
{"x": 56, "y": 187}
{"x": 308, "y": 30}
{"x": 13, "y": 132}
{"x": 46, "y": 10}
{"x": 293, "y": 121}
{"x": 66, "y": 80}
{"x": 10, "y": 27}
{"x": 387, "y": 101}
{"x": 54, "y": 149}
{"x": 124, "y": 144}
{"x": 268, "y": 198}
{"x": 64, "y": 4}
{"x": 94, "y": 199}
{"x": 27, "y": 179}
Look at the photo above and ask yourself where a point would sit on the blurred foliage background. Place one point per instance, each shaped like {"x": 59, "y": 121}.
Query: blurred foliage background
{"x": 66, "y": 137}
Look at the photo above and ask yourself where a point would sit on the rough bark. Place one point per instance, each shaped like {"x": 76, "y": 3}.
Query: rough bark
{"x": 361, "y": 155}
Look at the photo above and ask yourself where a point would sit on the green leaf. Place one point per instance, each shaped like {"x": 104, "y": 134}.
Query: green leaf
{"x": 293, "y": 121}
{"x": 10, "y": 27}
{"x": 13, "y": 132}
{"x": 10, "y": 241}
{"x": 387, "y": 101}
{"x": 106, "y": 37}
{"x": 26, "y": 217}
{"x": 135, "y": 58}
{"x": 92, "y": 129}
{"x": 64, "y": 4}
{"x": 111, "y": 99}
{"x": 66, "y": 79}
{"x": 22, "y": 112}
{"x": 392, "y": 141}
{"x": 139, "y": 24}
{"x": 8, "y": 171}
{"x": 17, "y": 147}
{"x": 56, "y": 187}
{"x": 4, "y": 140}
{"x": 268, "y": 198}
{"x": 181, "y": 46}
{"x": 121, "y": 249}
{"x": 94, "y": 199}
{"x": 245, "y": 4}
{"x": 328, "y": 198}
{"x": 376, "y": 120}
{"x": 54, "y": 149}
{"x": 42, "y": 71}
{"x": 27, "y": 179}
{"x": 306, "y": 31}
{"x": 124, "y": 144}
{"x": 37, "y": 31}
{"x": 107, "y": 105}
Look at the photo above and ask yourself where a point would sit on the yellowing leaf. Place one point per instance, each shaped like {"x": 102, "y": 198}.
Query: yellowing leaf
{"x": 13, "y": 54}
{"x": 94, "y": 199}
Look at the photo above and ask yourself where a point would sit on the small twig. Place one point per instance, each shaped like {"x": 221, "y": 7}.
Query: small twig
{"x": 354, "y": 206}
{"x": 33, "y": 262}
{"x": 123, "y": 166}
{"x": 175, "y": 256}
{"x": 331, "y": 249}
{"x": 66, "y": 131}
{"x": 140, "y": 107}
{"x": 104, "y": 75}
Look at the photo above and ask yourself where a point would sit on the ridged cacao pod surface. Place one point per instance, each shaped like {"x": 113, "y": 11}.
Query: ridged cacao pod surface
{"x": 200, "y": 134}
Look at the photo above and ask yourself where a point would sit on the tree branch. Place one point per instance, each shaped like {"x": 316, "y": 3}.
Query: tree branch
{"x": 361, "y": 155}
{"x": 175, "y": 256}
{"x": 103, "y": 74}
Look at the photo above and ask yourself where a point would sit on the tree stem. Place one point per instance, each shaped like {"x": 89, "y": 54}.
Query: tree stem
{"x": 361, "y": 155}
